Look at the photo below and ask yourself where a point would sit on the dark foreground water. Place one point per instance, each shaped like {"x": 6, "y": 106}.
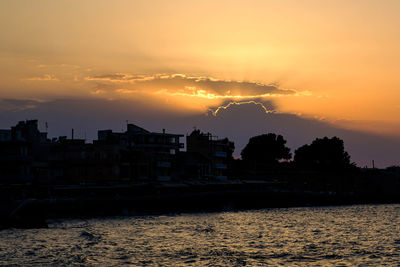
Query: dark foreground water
{"x": 339, "y": 236}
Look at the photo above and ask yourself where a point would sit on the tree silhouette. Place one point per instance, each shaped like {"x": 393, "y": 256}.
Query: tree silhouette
{"x": 325, "y": 153}
{"x": 266, "y": 149}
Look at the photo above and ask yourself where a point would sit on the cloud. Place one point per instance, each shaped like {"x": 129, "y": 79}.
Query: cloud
{"x": 181, "y": 92}
{"x": 268, "y": 108}
{"x": 120, "y": 78}
{"x": 45, "y": 77}
{"x": 125, "y": 91}
{"x": 8, "y": 104}
{"x": 52, "y": 66}
{"x": 97, "y": 92}
{"x": 193, "y": 86}
{"x": 178, "y": 92}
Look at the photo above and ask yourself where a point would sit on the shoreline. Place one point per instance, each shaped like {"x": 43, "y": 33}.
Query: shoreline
{"x": 157, "y": 199}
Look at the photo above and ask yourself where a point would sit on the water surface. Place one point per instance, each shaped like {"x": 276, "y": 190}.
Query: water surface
{"x": 338, "y": 236}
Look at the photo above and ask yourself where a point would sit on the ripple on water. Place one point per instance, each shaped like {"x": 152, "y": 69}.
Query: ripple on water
{"x": 339, "y": 236}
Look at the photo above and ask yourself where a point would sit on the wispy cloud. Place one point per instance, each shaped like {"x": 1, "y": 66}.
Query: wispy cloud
{"x": 97, "y": 92}
{"x": 125, "y": 91}
{"x": 52, "y": 66}
{"x": 121, "y": 78}
{"x": 45, "y": 77}
{"x": 9, "y": 104}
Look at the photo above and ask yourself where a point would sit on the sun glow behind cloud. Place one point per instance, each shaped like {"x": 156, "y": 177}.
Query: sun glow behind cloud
{"x": 189, "y": 93}
{"x": 224, "y": 107}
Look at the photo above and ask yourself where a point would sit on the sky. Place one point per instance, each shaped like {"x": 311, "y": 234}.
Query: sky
{"x": 331, "y": 63}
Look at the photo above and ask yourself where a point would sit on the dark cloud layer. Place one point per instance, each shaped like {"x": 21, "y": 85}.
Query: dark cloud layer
{"x": 238, "y": 122}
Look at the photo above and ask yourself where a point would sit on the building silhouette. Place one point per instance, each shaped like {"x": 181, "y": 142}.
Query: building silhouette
{"x": 145, "y": 155}
{"x": 137, "y": 162}
{"x": 21, "y": 152}
{"x": 216, "y": 151}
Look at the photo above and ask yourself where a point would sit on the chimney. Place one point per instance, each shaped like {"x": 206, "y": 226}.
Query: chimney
{"x": 72, "y": 134}
{"x": 163, "y": 131}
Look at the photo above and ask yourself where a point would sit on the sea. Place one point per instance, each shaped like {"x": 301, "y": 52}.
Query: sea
{"x": 359, "y": 235}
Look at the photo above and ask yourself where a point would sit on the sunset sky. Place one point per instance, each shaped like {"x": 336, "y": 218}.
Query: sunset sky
{"x": 333, "y": 61}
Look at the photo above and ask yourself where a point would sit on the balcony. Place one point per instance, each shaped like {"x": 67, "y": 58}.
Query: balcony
{"x": 220, "y": 154}
{"x": 220, "y": 166}
{"x": 164, "y": 178}
{"x": 160, "y": 145}
{"x": 164, "y": 164}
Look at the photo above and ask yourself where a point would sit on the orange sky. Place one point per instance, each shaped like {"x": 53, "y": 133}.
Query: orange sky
{"x": 334, "y": 60}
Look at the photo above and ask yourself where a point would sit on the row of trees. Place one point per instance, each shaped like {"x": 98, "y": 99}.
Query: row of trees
{"x": 322, "y": 154}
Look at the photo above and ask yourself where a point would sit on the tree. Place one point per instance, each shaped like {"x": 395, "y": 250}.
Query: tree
{"x": 266, "y": 149}
{"x": 325, "y": 153}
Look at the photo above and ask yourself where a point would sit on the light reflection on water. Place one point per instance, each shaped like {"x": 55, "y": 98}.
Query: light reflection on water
{"x": 340, "y": 236}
